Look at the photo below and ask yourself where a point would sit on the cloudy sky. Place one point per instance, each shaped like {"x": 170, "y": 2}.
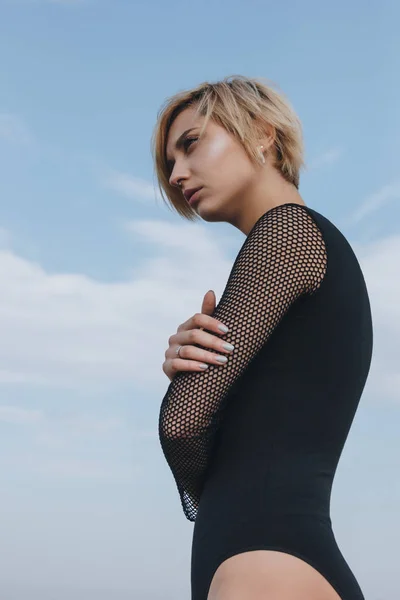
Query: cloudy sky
{"x": 96, "y": 273}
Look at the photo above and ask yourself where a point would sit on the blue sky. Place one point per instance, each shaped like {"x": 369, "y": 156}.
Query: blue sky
{"x": 96, "y": 273}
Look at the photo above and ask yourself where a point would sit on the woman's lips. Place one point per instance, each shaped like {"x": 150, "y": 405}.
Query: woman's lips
{"x": 194, "y": 196}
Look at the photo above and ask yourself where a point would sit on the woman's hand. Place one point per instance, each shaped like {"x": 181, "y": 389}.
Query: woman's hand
{"x": 191, "y": 332}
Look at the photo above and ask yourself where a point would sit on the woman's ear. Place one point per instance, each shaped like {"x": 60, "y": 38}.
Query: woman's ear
{"x": 268, "y": 139}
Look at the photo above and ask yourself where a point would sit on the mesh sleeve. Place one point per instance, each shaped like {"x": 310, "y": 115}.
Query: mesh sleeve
{"x": 282, "y": 258}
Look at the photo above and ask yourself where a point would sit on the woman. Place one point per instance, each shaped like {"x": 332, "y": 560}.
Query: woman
{"x": 254, "y": 443}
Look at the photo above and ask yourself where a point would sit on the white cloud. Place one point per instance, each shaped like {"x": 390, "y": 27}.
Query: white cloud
{"x": 14, "y": 130}
{"x": 131, "y": 187}
{"x": 75, "y": 426}
{"x": 82, "y": 424}
{"x": 16, "y": 415}
{"x": 24, "y": 378}
{"x": 57, "y": 467}
{"x": 71, "y": 330}
{"x": 68, "y": 329}
{"x": 77, "y": 445}
{"x": 327, "y": 158}
{"x": 375, "y": 201}
{"x": 381, "y": 268}
{"x": 83, "y": 469}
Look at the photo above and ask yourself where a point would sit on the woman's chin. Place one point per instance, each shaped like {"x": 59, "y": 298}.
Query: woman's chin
{"x": 208, "y": 212}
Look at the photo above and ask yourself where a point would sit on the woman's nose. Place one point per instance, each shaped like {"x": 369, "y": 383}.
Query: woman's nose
{"x": 174, "y": 180}
{"x": 176, "y": 177}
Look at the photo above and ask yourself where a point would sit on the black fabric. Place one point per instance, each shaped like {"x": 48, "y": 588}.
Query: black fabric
{"x": 256, "y": 443}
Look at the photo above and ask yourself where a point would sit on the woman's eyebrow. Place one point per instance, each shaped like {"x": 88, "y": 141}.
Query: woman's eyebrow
{"x": 179, "y": 144}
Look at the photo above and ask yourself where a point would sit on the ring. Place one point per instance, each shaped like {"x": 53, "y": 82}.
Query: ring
{"x": 177, "y": 351}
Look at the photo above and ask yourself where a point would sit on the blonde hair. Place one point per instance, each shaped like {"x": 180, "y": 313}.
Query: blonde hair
{"x": 244, "y": 107}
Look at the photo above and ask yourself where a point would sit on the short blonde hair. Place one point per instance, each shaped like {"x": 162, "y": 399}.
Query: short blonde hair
{"x": 244, "y": 107}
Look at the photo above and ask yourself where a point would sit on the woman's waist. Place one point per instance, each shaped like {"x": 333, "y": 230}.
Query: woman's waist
{"x": 270, "y": 489}
{"x": 278, "y": 469}
{"x": 254, "y": 520}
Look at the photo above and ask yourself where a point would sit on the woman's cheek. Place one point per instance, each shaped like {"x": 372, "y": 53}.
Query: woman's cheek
{"x": 218, "y": 147}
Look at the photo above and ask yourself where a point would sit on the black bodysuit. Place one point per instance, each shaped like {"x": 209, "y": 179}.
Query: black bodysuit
{"x": 254, "y": 444}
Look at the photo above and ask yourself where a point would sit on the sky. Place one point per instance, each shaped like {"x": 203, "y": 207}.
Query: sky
{"x": 96, "y": 272}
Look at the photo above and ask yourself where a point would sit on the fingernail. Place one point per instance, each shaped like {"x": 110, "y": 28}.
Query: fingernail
{"x": 222, "y": 359}
{"x": 203, "y": 366}
{"x": 223, "y": 328}
{"x": 229, "y": 347}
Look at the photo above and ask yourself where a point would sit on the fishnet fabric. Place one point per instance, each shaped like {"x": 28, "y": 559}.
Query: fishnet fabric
{"x": 283, "y": 258}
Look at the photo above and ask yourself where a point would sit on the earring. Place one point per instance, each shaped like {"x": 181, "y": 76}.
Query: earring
{"x": 261, "y": 153}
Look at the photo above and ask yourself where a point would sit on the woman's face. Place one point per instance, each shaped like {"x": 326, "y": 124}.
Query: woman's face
{"x": 217, "y": 163}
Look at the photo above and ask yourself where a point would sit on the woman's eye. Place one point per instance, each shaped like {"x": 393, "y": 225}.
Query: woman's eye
{"x": 188, "y": 142}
